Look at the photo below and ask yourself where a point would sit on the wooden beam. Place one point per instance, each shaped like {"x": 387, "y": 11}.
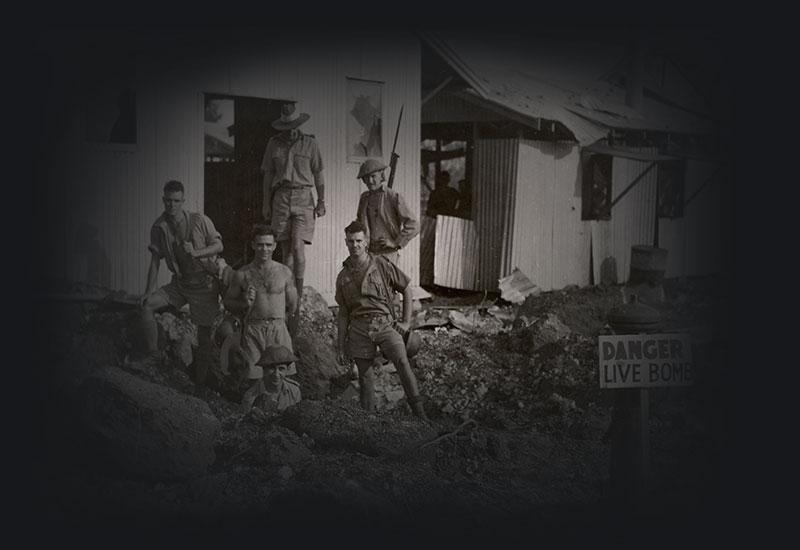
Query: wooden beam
{"x": 634, "y": 182}
{"x": 505, "y": 112}
{"x": 708, "y": 180}
{"x": 436, "y": 90}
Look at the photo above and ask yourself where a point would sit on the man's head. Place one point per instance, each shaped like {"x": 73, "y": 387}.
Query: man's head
{"x": 275, "y": 361}
{"x": 355, "y": 238}
{"x": 173, "y": 198}
{"x": 372, "y": 174}
{"x": 290, "y": 120}
{"x": 263, "y": 241}
{"x": 443, "y": 179}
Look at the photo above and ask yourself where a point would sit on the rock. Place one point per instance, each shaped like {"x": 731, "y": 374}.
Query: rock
{"x": 179, "y": 336}
{"x": 314, "y": 345}
{"x": 462, "y": 321}
{"x": 145, "y": 429}
{"x": 283, "y": 446}
{"x": 344, "y": 425}
{"x": 313, "y": 306}
{"x": 497, "y": 448}
{"x": 562, "y": 404}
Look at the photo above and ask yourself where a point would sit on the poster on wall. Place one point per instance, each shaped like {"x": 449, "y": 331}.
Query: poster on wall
{"x": 364, "y": 119}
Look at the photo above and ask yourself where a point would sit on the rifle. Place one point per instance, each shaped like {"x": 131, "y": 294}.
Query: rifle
{"x": 395, "y": 156}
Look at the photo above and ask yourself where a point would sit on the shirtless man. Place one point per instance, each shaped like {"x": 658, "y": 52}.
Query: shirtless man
{"x": 264, "y": 293}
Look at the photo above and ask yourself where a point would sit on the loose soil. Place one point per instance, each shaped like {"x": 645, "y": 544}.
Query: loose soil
{"x": 518, "y": 435}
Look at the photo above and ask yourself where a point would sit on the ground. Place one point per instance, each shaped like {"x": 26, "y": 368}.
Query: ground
{"x": 518, "y": 436}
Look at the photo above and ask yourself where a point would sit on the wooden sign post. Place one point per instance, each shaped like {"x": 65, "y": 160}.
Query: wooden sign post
{"x": 630, "y": 364}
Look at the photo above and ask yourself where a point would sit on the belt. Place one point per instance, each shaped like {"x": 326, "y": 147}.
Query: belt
{"x": 264, "y": 319}
{"x": 294, "y": 186}
{"x": 372, "y": 315}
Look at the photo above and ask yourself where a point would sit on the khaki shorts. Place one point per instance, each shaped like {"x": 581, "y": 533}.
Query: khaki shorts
{"x": 202, "y": 297}
{"x": 366, "y": 334}
{"x": 261, "y": 333}
{"x": 293, "y": 213}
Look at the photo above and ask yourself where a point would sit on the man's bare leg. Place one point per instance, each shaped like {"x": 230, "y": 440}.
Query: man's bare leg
{"x": 149, "y": 324}
{"x": 203, "y": 359}
{"x": 366, "y": 384}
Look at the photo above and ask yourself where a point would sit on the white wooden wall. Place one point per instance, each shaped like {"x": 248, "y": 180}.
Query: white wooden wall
{"x": 118, "y": 190}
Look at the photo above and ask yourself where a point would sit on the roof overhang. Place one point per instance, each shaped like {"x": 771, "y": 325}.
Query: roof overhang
{"x": 586, "y": 106}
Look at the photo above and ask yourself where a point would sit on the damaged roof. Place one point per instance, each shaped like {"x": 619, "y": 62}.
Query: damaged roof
{"x": 557, "y": 81}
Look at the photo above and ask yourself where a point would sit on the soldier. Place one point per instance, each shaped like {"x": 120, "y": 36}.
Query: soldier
{"x": 388, "y": 222}
{"x": 366, "y": 320}
{"x": 292, "y": 165}
{"x": 189, "y": 243}
{"x": 279, "y": 392}
{"x": 263, "y": 293}
{"x": 444, "y": 199}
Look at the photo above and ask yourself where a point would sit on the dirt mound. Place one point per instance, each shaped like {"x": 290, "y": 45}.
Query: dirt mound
{"x": 344, "y": 425}
{"x": 315, "y": 345}
{"x": 146, "y": 429}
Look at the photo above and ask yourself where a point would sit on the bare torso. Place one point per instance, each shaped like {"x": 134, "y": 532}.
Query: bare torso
{"x": 270, "y": 283}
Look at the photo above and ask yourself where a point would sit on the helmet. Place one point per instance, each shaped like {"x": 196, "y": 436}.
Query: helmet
{"x": 413, "y": 342}
{"x": 369, "y": 166}
{"x": 276, "y": 355}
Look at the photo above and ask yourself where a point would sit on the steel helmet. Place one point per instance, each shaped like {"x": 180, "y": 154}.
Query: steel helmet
{"x": 276, "y": 355}
{"x": 369, "y": 166}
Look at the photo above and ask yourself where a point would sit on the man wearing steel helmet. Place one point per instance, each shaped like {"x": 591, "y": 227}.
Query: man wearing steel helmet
{"x": 366, "y": 321}
{"x": 292, "y": 165}
{"x": 388, "y": 220}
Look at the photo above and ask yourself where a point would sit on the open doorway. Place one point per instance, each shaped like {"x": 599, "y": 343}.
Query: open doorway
{"x": 236, "y": 132}
{"x": 446, "y": 158}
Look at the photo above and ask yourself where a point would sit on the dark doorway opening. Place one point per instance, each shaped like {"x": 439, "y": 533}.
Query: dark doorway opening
{"x": 237, "y": 130}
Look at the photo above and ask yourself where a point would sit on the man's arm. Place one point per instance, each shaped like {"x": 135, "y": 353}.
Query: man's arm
{"x": 319, "y": 183}
{"x": 409, "y": 224}
{"x": 152, "y": 276}
{"x": 342, "y": 324}
{"x": 214, "y": 248}
{"x": 235, "y": 299}
{"x": 361, "y": 214}
{"x": 408, "y": 303}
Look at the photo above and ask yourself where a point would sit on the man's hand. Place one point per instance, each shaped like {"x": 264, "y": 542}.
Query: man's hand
{"x": 143, "y": 298}
{"x": 250, "y": 296}
{"x": 319, "y": 211}
{"x": 188, "y": 247}
{"x": 342, "y": 357}
{"x": 402, "y": 328}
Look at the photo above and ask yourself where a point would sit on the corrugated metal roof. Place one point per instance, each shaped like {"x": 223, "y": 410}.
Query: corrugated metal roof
{"x": 531, "y": 84}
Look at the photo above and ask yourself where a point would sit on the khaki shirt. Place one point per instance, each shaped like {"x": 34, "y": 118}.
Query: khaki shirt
{"x": 385, "y": 214}
{"x": 294, "y": 162}
{"x": 165, "y": 243}
{"x": 374, "y": 292}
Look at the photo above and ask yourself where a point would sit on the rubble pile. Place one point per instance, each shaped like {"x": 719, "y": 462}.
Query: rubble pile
{"x": 517, "y": 416}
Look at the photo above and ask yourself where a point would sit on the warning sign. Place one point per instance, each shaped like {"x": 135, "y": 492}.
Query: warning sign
{"x": 645, "y": 360}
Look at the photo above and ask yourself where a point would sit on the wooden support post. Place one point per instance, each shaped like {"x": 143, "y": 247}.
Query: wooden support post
{"x": 630, "y": 445}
